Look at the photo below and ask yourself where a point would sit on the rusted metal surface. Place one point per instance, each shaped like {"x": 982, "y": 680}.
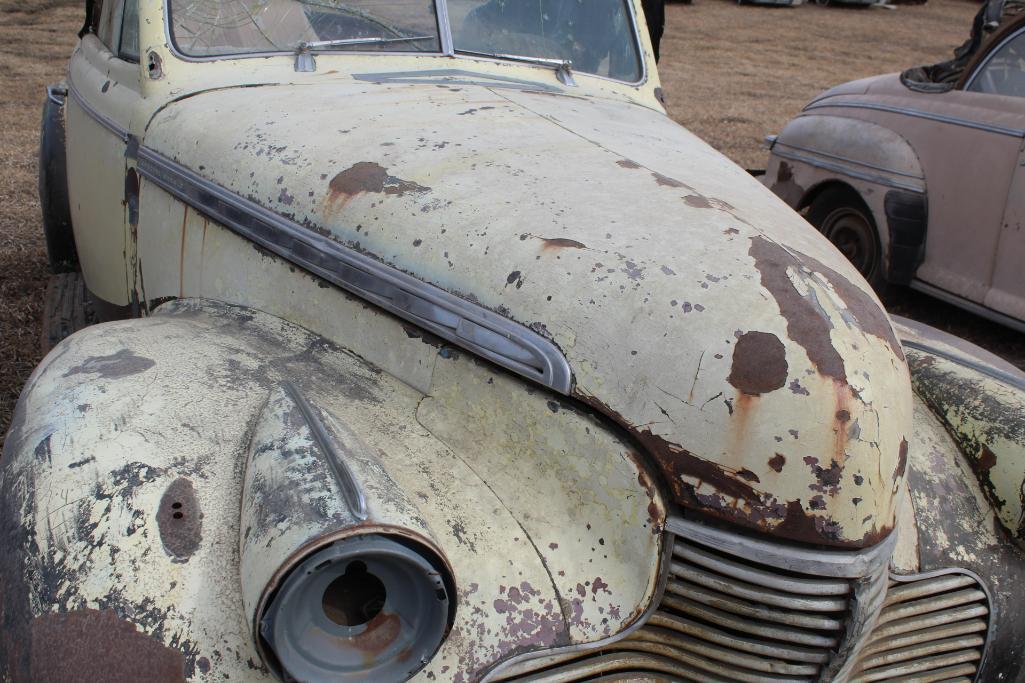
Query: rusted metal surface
{"x": 88, "y": 483}
{"x": 89, "y": 644}
{"x": 985, "y": 417}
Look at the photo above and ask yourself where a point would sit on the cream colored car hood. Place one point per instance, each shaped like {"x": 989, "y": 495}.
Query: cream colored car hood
{"x": 693, "y": 306}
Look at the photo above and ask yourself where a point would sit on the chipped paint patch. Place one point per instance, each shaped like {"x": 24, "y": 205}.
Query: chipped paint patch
{"x": 95, "y": 645}
{"x": 759, "y": 363}
{"x": 368, "y": 177}
{"x": 180, "y": 519}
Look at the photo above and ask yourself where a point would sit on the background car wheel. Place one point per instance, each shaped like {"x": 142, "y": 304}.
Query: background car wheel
{"x": 67, "y": 309}
{"x": 841, "y": 215}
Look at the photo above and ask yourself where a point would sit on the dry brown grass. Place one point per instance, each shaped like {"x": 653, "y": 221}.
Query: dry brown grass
{"x": 732, "y": 75}
{"x": 35, "y": 41}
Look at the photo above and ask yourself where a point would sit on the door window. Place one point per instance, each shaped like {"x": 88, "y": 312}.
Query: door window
{"x": 129, "y": 47}
{"x": 108, "y": 23}
{"x": 1003, "y": 71}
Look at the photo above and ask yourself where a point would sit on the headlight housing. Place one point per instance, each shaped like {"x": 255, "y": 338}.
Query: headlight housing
{"x": 369, "y": 607}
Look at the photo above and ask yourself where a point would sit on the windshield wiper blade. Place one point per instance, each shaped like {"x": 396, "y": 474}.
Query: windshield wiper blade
{"x": 563, "y": 67}
{"x": 304, "y": 60}
{"x": 341, "y": 42}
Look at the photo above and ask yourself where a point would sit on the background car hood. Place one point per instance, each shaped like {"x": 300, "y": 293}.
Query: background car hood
{"x": 694, "y": 307}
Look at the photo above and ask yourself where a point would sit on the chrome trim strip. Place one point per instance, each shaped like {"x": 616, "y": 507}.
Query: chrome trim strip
{"x": 999, "y": 375}
{"x": 455, "y": 77}
{"x": 989, "y": 58}
{"x": 838, "y": 157}
{"x": 444, "y": 27}
{"x": 56, "y": 94}
{"x": 939, "y": 118}
{"x": 843, "y": 170}
{"x": 96, "y": 115}
{"x": 473, "y": 327}
{"x": 668, "y": 543}
{"x": 351, "y": 491}
{"x": 970, "y": 306}
{"x": 849, "y": 564}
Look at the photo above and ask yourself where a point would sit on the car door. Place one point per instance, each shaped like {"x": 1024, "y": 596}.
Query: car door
{"x": 104, "y": 90}
{"x": 1002, "y": 75}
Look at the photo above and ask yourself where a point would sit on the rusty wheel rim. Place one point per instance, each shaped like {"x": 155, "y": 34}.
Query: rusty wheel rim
{"x": 854, "y": 236}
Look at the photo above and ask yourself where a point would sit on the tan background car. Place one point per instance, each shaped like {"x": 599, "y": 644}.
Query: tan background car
{"x": 917, "y": 177}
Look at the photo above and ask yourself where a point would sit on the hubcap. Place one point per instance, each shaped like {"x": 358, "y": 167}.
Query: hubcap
{"x": 852, "y": 234}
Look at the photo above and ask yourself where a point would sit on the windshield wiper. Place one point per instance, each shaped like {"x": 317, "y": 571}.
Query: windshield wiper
{"x": 303, "y": 51}
{"x": 563, "y": 67}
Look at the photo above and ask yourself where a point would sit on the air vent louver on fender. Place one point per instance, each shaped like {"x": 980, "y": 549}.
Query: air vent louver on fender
{"x": 933, "y": 627}
{"x": 737, "y": 609}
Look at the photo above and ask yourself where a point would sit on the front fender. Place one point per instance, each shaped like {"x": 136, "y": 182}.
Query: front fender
{"x": 966, "y": 473}
{"x": 142, "y": 506}
{"x": 815, "y": 151}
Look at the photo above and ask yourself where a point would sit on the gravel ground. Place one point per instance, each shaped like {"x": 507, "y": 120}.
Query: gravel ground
{"x": 731, "y": 74}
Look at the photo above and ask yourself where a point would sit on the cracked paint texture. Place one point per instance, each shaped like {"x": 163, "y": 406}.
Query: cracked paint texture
{"x": 90, "y": 482}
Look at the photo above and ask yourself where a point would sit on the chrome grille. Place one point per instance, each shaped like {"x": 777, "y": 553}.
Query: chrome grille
{"x": 736, "y": 609}
{"x": 933, "y": 627}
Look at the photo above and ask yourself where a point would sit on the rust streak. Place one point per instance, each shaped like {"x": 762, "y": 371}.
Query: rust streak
{"x": 553, "y": 243}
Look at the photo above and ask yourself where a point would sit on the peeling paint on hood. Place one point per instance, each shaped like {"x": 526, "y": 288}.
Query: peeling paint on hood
{"x": 693, "y": 306}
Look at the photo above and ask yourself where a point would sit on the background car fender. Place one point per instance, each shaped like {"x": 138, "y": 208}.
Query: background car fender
{"x": 815, "y": 152}
{"x": 122, "y": 482}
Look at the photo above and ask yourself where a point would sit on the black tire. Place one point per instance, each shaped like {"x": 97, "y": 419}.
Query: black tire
{"x": 840, "y": 214}
{"x": 67, "y": 310}
{"x": 53, "y": 185}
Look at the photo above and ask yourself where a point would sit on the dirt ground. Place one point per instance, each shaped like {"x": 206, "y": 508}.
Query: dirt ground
{"x": 732, "y": 74}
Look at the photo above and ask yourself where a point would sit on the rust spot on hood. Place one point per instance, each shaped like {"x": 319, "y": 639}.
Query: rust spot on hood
{"x": 987, "y": 458}
{"x": 698, "y": 201}
{"x": 90, "y": 645}
{"x": 759, "y": 363}
{"x": 368, "y": 177}
{"x": 777, "y": 461}
{"x": 626, "y": 163}
{"x": 735, "y": 498}
{"x": 553, "y": 243}
{"x": 666, "y": 181}
{"x": 807, "y": 322}
{"x": 902, "y": 461}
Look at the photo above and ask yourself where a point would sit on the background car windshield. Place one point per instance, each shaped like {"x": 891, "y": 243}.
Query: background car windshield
{"x": 1004, "y": 72}
{"x": 596, "y": 35}
{"x": 207, "y": 28}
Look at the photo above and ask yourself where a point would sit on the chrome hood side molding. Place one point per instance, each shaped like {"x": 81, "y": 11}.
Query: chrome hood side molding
{"x": 471, "y": 326}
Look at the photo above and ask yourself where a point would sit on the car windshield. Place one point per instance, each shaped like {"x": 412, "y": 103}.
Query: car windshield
{"x": 595, "y": 36}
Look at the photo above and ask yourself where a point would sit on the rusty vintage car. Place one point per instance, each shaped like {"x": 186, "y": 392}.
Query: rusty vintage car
{"x": 434, "y": 349}
{"x": 919, "y": 177}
